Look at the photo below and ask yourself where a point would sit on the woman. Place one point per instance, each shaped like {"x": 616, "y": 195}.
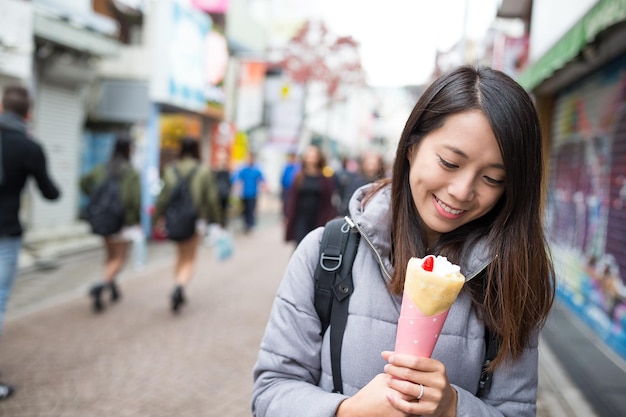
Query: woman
{"x": 309, "y": 204}
{"x": 116, "y": 245}
{"x": 466, "y": 184}
{"x": 205, "y": 200}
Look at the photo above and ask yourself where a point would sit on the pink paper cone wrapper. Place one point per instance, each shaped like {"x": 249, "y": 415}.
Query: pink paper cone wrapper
{"x": 417, "y": 334}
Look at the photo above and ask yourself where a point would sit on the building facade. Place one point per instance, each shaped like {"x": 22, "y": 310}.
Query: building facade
{"x": 579, "y": 84}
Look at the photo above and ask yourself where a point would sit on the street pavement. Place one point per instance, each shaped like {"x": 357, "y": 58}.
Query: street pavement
{"x": 138, "y": 359}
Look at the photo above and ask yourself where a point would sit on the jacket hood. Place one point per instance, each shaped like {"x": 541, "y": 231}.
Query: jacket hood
{"x": 11, "y": 121}
{"x": 374, "y": 224}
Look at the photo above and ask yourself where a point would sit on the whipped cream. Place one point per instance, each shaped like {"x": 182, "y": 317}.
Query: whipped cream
{"x": 442, "y": 266}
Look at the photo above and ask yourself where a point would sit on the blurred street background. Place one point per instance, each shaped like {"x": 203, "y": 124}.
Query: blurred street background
{"x": 271, "y": 77}
{"x": 138, "y": 359}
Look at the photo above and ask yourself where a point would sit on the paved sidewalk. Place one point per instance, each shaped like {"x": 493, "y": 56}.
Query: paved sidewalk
{"x": 137, "y": 359}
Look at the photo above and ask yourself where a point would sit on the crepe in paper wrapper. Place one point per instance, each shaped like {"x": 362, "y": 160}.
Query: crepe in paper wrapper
{"x": 431, "y": 286}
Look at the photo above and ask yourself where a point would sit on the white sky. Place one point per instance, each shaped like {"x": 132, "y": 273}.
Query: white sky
{"x": 399, "y": 38}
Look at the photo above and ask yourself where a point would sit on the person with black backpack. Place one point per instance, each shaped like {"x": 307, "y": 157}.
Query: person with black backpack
{"x": 187, "y": 202}
{"x": 113, "y": 212}
{"x": 466, "y": 184}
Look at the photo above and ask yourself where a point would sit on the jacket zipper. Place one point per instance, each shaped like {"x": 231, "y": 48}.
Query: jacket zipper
{"x": 353, "y": 225}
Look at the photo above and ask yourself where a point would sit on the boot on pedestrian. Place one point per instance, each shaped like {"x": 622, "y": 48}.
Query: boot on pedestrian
{"x": 96, "y": 297}
{"x": 178, "y": 298}
{"x": 115, "y": 291}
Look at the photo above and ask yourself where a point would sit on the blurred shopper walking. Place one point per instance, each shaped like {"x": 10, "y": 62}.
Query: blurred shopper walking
{"x": 310, "y": 204}
{"x": 20, "y": 158}
{"x": 292, "y": 166}
{"x": 204, "y": 197}
{"x": 250, "y": 179}
{"x": 371, "y": 168}
{"x": 343, "y": 178}
{"x": 224, "y": 184}
{"x": 117, "y": 243}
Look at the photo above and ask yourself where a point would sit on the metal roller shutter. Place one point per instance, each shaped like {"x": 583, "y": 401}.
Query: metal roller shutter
{"x": 59, "y": 120}
{"x": 586, "y": 215}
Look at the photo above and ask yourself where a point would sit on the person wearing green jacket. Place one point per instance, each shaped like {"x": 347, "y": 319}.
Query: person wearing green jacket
{"x": 116, "y": 245}
{"x": 205, "y": 198}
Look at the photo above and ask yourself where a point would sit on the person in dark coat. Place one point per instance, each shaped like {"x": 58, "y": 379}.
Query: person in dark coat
{"x": 20, "y": 158}
{"x": 224, "y": 183}
{"x": 371, "y": 169}
{"x": 309, "y": 204}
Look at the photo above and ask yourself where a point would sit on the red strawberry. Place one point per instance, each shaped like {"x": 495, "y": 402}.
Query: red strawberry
{"x": 429, "y": 263}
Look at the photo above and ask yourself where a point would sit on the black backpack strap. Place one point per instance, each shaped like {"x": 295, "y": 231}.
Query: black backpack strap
{"x": 179, "y": 176}
{"x": 331, "y": 258}
{"x": 492, "y": 346}
{"x": 176, "y": 172}
{"x": 191, "y": 173}
{"x": 334, "y": 286}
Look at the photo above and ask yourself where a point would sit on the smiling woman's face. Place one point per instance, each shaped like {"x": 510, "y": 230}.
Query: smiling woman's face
{"x": 457, "y": 173}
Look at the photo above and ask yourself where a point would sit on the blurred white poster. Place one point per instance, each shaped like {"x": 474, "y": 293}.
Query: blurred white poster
{"x": 285, "y": 102}
{"x": 16, "y": 38}
{"x": 249, "y": 111}
{"x": 178, "y": 71}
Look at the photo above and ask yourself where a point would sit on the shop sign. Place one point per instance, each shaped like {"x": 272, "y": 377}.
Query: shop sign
{"x": 16, "y": 38}
{"x": 178, "y": 71}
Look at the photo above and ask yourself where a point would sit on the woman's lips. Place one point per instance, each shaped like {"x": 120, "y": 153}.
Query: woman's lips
{"x": 446, "y": 211}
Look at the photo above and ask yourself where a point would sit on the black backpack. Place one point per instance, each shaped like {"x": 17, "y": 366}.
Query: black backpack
{"x": 105, "y": 211}
{"x": 333, "y": 287}
{"x": 181, "y": 214}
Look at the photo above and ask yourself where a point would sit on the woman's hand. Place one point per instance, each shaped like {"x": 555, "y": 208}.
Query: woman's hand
{"x": 373, "y": 401}
{"x": 407, "y": 373}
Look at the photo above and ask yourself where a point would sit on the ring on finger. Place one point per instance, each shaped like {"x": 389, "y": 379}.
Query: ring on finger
{"x": 419, "y": 396}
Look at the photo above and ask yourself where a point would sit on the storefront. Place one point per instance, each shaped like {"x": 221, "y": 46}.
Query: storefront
{"x": 580, "y": 87}
{"x": 68, "y": 44}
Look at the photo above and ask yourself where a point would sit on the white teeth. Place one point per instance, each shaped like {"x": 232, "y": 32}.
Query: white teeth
{"x": 447, "y": 208}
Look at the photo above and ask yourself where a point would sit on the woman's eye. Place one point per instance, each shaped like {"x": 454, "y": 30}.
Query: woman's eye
{"x": 494, "y": 181}
{"x": 447, "y": 164}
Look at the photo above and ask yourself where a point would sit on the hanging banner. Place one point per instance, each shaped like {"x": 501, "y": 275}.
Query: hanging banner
{"x": 212, "y": 6}
{"x": 178, "y": 71}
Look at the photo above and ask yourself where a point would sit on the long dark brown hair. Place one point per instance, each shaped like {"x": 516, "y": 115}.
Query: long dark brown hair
{"x": 120, "y": 156}
{"x": 189, "y": 147}
{"x": 515, "y": 293}
{"x": 321, "y": 163}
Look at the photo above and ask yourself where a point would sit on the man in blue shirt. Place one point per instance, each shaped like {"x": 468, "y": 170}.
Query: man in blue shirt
{"x": 251, "y": 179}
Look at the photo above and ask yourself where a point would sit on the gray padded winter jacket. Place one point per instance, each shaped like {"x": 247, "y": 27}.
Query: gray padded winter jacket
{"x": 292, "y": 375}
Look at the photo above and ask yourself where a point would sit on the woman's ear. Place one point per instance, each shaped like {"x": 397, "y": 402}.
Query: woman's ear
{"x": 411, "y": 153}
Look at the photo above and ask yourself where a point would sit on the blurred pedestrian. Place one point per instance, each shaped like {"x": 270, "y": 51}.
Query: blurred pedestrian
{"x": 371, "y": 168}
{"x": 291, "y": 168}
{"x": 466, "y": 185}
{"x": 343, "y": 178}
{"x": 223, "y": 179}
{"x": 205, "y": 200}
{"x": 310, "y": 203}
{"x": 116, "y": 245}
{"x": 251, "y": 181}
{"x": 21, "y": 157}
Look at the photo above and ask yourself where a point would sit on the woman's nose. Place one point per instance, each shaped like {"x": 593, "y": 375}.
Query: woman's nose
{"x": 462, "y": 187}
